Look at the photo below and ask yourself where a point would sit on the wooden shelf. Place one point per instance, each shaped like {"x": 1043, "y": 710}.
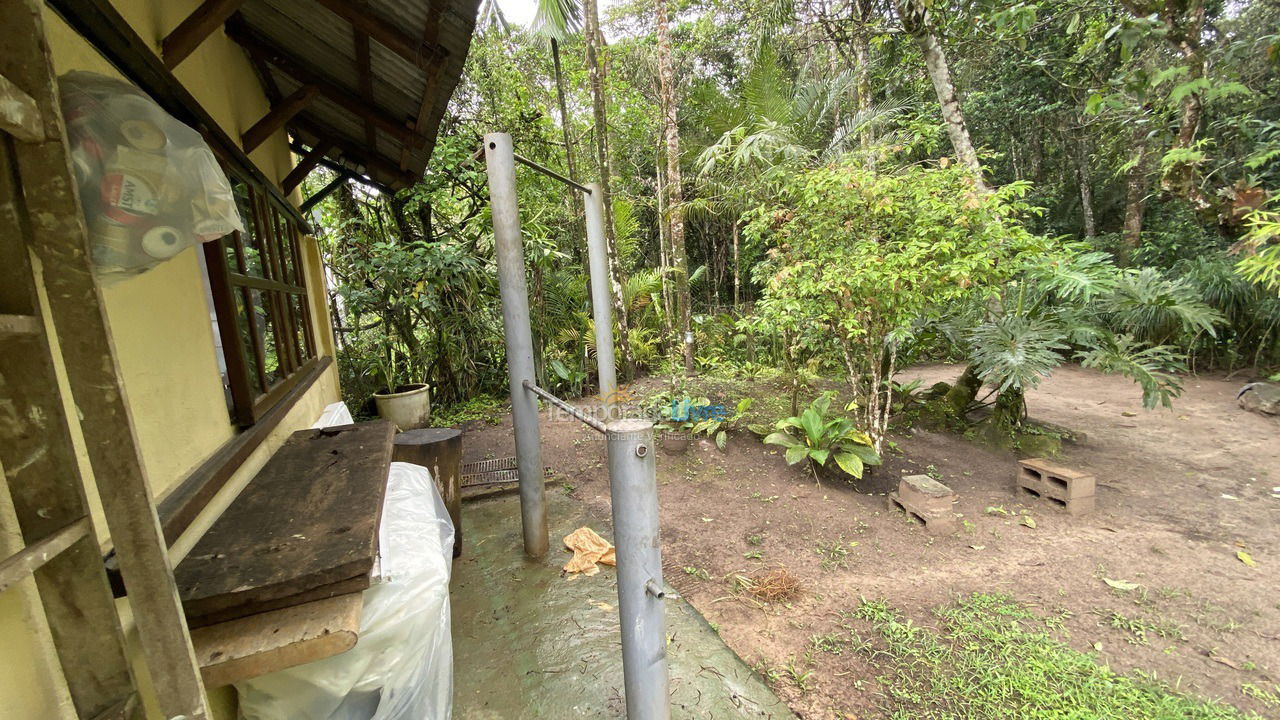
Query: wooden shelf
{"x": 252, "y": 646}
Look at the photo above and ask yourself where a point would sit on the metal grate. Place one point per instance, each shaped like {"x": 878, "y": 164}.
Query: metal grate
{"x": 496, "y": 471}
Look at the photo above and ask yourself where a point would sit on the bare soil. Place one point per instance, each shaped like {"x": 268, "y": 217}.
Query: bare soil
{"x": 1180, "y": 493}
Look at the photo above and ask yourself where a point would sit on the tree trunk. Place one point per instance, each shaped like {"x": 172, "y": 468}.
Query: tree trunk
{"x": 564, "y": 129}
{"x": 594, "y": 39}
{"x": 1086, "y": 187}
{"x": 916, "y": 21}
{"x": 675, "y": 196}
{"x": 1181, "y": 178}
{"x": 737, "y": 283}
{"x": 1137, "y": 181}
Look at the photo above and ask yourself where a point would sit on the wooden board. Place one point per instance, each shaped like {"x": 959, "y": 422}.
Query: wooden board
{"x": 249, "y": 647}
{"x": 309, "y": 519}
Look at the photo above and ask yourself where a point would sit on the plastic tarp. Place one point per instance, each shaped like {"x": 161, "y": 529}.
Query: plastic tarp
{"x": 402, "y": 665}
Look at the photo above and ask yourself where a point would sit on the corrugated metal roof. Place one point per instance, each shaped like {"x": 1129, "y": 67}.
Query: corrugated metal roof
{"x": 323, "y": 44}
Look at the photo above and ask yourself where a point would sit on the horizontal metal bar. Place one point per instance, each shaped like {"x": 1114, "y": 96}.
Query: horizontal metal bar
{"x": 591, "y": 422}
{"x": 32, "y": 557}
{"x": 551, "y": 174}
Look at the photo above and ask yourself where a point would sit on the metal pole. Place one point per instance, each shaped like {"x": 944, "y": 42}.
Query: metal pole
{"x": 586, "y": 419}
{"x": 551, "y": 173}
{"x": 633, "y": 488}
{"x": 501, "y": 167}
{"x": 601, "y": 306}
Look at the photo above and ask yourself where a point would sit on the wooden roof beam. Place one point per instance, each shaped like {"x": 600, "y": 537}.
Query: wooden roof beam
{"x": 354, "y": 153}
{"x": 305, "y": 166}
{"x": 423, "y": 53}
{"x": 296, "y": 68}
{"x": 200, "y": 24}
{"x": 429, "y": 35}
{"x": 279, "y": 114}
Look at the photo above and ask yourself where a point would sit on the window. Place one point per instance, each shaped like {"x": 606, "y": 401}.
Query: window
{"x": 260, "y": 298}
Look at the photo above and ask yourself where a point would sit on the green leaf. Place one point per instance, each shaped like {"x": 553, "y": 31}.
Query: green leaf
{"x": 722, "y": 438}
{"x": 819, "y": 455}
{"x": 849, "y": 463}
{"x": 783, "y": 439}
{"x": 1029, "y": 521}
{"x": 866, "y": 454}
{"x": 796, "y": 454}
{"x": 812, "y": 424}
{"x": 1246, "y": 558}
{"x": 1093, "y": 104}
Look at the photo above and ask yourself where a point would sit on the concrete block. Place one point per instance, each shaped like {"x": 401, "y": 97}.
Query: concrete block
{"x": 1072, "y": 490}
{"x": 926, "y": 494}
{"x": 928, "y": 501}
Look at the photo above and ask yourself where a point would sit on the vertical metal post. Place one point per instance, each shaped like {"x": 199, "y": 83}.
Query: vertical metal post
{"x": 601, "y": 305}
{"x": 633, "y": 488}
{"x": 509, "y": 249}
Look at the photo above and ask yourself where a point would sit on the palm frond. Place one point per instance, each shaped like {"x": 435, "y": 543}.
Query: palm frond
{"x": 1016, "y": 351}
{"x": 1152, "y": 368}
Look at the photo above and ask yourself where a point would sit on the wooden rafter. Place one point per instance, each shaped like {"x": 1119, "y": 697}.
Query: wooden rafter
{"x": 201, "y": 23}
{"x": 364, "y": 70}
{"x": 430, "y": 34}
{"x": 299, "y": 70}
{"x": 424, "y": 53}
{"x": 324, "y": 192}
{"x": 279, "y": 114}
{"x": 304, "y": 167}
{"x": 355, "y": 153}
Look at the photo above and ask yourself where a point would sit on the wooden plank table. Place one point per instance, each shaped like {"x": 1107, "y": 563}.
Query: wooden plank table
{"x": 304, "y": 529}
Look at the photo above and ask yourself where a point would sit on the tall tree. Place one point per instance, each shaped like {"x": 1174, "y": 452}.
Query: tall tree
{"x": 558, "y": 20}
{"x": 1183, "y": 22}
{"x": 599, "y": 104}
{"x": 919, "y": 25}
{"x": 675, "y": 196}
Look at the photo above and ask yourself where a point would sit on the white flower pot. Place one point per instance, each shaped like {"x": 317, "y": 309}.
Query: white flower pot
{"x": 409, "y": 408}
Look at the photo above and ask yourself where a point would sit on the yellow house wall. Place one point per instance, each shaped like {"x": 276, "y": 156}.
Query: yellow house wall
{"x": 165, "y": 349}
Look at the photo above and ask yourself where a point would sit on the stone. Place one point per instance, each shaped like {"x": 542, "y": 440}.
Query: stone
{"x": 1260, "y": 397}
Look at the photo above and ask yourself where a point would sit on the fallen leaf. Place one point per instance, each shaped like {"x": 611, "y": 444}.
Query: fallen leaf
{"x": 1246, "y": 558}
{"x": 997, "y": 511}
{"x": 978, "y": 547}
{"x": 1129, "y": 413}
{"x": 1124, "y": 585}
{"x": 1225, "y": 661}
{"x": 1097, "y": 646}
{"x": 1029, "y": 521}
{"x": 708, "y": 519}
{"x": 1229, "y": 497}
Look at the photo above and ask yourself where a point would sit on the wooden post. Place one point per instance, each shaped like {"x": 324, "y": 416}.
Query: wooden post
{"x": 57, "y": 235}
{"x": 279, "y": 114}
{"x": 201, "y": 23}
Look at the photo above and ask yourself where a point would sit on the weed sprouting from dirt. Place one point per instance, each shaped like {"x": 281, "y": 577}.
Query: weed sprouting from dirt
{"x": 833, "y": 553}
{"x": 771, "y": 586}
{"x": 991, "y": 657}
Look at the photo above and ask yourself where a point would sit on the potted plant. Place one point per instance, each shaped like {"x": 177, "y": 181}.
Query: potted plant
{"x": 407, "y": 405}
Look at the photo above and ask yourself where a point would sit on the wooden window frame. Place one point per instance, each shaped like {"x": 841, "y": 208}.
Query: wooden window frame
{"x": 280, "y": 286}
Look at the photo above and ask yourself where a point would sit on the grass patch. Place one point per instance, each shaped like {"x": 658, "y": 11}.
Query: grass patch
{"x": 489, "y": 409}
{"x": 994, "y": 658}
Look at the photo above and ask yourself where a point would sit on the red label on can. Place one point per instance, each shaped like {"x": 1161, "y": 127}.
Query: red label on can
{"x": 127, "y": 198}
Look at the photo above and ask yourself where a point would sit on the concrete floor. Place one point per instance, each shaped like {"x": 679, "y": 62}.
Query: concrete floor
{"x": 529, "y": 643}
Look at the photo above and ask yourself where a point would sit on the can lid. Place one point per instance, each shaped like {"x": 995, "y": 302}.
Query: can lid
{"x": 143, "y": 135}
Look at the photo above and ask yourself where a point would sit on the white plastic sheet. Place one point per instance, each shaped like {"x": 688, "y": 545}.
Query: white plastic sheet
{"x": 402, "y": 666}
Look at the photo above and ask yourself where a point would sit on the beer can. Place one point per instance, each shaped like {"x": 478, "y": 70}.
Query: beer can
{"x": 163, "y": 242}
{"x": 113, "y": 244}
{"x": 131, "y": 184}
{"x": 143, "y": 135}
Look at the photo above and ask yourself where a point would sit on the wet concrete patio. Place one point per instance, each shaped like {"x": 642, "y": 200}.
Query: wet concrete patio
{"x": 529, "y": 643}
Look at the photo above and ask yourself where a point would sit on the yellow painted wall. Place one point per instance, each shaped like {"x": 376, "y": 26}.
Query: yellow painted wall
{"x": 165, "y": 349}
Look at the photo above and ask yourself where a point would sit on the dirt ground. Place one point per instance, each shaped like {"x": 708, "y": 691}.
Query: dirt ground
{"x": 1180, "y": 493}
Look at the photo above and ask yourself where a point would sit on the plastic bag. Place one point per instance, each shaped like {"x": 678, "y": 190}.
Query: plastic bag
{"x": 402, "y": 666}
{"x": 149, "y": 185}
